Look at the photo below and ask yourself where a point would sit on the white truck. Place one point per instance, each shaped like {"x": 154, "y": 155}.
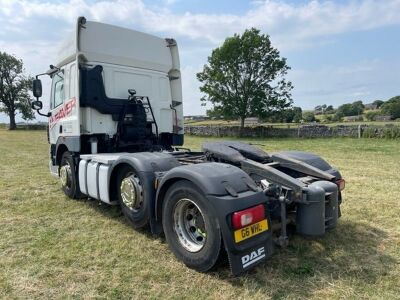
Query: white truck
{"x": 115, "y": 127}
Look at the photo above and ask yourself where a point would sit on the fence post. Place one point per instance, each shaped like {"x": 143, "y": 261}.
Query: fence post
{"x": 359, "y": 131}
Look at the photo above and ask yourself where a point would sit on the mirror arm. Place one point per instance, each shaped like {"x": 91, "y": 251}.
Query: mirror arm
{"x": 44, "y": 115}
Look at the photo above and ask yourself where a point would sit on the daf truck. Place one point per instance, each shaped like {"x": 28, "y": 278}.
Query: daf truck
{"x": 116, "y": 134}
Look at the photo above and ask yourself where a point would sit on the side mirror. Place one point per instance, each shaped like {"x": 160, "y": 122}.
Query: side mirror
{"x": 37, "y": 105}
{"x": 37, "y": 89}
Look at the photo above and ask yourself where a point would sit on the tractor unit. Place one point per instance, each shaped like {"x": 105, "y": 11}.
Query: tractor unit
{"x": 115, "y": 133}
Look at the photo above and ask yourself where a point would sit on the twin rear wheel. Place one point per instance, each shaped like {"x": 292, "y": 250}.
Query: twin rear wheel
{"x": 190, "y": 230}
{"x": 192, "y": 234}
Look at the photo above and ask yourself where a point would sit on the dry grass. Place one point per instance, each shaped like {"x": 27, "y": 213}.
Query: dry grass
{"x": 53, "y": 247}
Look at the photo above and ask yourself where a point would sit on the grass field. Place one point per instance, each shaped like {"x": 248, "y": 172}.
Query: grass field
{"x": 54, "y": 247}
{"x": 286, "y": 125}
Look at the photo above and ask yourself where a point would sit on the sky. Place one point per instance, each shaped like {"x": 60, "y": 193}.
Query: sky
{"x": 339, "y": 51}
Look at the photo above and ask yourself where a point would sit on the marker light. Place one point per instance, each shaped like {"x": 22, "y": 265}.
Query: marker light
{"x": 341, "y": 183}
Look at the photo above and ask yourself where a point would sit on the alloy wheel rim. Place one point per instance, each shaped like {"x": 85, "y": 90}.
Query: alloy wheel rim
{"x": 189, "y": 225}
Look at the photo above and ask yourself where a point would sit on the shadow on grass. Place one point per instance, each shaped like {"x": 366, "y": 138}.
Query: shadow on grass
{"x": 114, "y": 212}
{"x": 353, "y": 251}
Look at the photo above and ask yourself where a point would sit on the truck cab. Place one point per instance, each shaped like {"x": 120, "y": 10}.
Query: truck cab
{"x": 114, "y": 89}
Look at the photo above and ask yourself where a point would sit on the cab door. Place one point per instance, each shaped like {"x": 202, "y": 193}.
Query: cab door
{"x": 56, "y": 104}
{"x": 63, "y": 120}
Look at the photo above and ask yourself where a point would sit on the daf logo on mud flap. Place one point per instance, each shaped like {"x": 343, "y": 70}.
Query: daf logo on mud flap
{"x": 253, "y": 257}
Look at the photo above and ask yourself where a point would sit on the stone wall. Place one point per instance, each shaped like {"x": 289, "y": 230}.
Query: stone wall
{"x": 304, "y": 131}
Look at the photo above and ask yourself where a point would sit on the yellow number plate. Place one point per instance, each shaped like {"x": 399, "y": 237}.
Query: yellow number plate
{"x": 251, "y": 230}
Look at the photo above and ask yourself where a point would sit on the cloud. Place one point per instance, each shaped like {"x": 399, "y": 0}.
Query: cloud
{"x": 30, "y": 29}
{"x": 289, "y": 24}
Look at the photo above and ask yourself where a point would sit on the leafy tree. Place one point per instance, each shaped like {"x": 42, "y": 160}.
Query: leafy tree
{"x": 329, "y": 109}
{"x": 357, "y": 108}
{"x": 14, "y": 89}
{"x": 293, "y": 114}
{"x": 308, "y": 116}
{"x": 245, "y": 77}
{"x": 350, "y": 109}
{"x": 378, "y": 103}
{"x": 392, "y": 107}
{"x": 214, "y": 113}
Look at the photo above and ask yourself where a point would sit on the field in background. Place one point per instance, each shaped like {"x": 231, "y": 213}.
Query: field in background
{"x": 54, "y": 247}
{"x": 286, "y": 125}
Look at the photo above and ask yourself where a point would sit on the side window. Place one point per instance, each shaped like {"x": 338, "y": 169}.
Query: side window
{"x": 57, "y": 91}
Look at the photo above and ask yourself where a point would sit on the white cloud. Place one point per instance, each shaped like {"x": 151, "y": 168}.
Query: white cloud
{"x": 288, "y": 22}
{"x": 30, "y": 28}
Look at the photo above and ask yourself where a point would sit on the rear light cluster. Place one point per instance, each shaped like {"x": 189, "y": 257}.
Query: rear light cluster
{"x": 341, "y": 183}
{"x": 248, "y": 216}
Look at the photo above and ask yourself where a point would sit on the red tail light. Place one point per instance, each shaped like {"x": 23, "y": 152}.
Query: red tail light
{"x": 248, "y": 216}
{"x": 341, "y": 183}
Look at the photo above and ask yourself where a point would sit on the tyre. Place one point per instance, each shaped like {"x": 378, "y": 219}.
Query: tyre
{"x": 191, "y": 233}
{"x": 68, "y": 176}
{"x": 132, "y": 197}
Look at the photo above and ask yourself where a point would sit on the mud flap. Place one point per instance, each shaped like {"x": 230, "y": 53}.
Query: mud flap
{"x": 246, "y": 260}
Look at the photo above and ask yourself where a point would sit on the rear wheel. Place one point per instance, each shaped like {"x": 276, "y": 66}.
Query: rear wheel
{"x": 131, "y": 196}
{"x": 192, "y": 234}
{"x": 68, "y": 176}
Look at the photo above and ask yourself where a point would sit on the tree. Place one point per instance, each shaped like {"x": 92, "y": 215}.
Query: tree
{"x": 392, "y": 107}
{"x": 350, "y": 109}
{"x": 245, "y": 77}
{"x": 14, "y": 89}
{"x": 357, "y": 108}
{"x": 308, "y": 116}
{"x": 213, "y": 113}
{"x": 293, "y": 114}
{"x": 378, "y": 103}
{"x": 330, "y": 109}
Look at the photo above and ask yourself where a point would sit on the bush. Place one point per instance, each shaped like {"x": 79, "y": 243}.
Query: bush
{"x": 387, "y": 132}
{"x": 392, "y": 107}
{"x": 371, "y": 115}
{"x": 309, "y": 117}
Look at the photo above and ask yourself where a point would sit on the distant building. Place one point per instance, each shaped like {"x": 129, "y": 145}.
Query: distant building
{"x": 251, "y": 121}
{"x": 383, "y": 118}
{"x": 353, "y": 118}
{"x": 196, "y": 118}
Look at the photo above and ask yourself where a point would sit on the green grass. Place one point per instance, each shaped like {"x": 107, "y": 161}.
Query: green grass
{"x": 54, "y": 247}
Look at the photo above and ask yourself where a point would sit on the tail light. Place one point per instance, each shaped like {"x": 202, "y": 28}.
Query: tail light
{"x": 248, "y": 216}
{"x": 341, "y": 183}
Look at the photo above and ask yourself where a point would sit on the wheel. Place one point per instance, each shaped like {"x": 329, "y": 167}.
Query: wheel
{"x": 68, "y": 176}
{"x": 131, "y": 197}
{"x": 193, "y": 236}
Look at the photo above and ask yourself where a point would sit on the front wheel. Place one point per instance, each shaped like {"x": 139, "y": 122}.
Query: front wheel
{"x": 68, "y": 176}
{"x": 191, "y": 233}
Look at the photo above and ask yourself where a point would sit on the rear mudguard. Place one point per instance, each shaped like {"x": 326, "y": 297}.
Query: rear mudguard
{"x": 228, "y": 189}
{"x": 317, "y": 162}
{"x": 313, "y": 160}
